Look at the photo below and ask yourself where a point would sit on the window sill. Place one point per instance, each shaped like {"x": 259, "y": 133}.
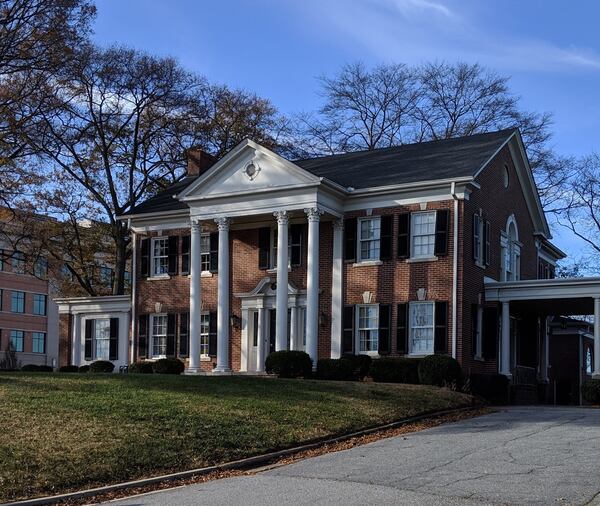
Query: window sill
{"x": 204, "y": 274}
{"x": 158, "y": 278}
{"x": 367, "y": 263}
{"x": 274, "y": 270}
{"x": 205, "y": 358}
{"x": 480, "y": 265}
{"x": 418, "y": 355}
{"x": 414, "y": 260}
{"x": 479, "y": 359}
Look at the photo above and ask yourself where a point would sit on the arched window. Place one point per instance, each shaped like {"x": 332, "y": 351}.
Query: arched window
{"x": 511, "y": 251}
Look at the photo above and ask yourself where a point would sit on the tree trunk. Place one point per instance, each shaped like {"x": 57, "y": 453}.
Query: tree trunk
{"x": 121, "y": 245}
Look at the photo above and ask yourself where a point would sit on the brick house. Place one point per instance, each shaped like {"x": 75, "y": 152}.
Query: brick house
{"x": 408, "y": 250}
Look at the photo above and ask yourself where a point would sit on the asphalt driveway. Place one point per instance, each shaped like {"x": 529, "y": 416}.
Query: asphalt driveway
{"x": 530, "y": 455}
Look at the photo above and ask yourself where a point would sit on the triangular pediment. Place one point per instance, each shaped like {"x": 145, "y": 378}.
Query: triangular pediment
{"x": 249, "y": 167}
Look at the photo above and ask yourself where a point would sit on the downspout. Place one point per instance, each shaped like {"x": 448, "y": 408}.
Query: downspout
{"x": 454, "y": 268}
{"x": 133, "y": 292}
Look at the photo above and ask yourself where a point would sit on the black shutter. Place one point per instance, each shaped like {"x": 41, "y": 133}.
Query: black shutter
{"x": 145, "y": 257}
{"x": 348, "y": 330}
{"x": 384, "y": 345}
{"x": 404, "y": 235}
{"x": 143, "y": 335}
{"x": 440, "y": 344}
{"x": 173, "y": 243}
{"x": 402, "y": 329}
{"x": 212, "y": 334}
{"x": 490, "y": 332}
{"x": 442, "y": 220}
{"x": 264, "y": 247}
{"x": 350, "y": 239}
{"x": 184, "y": 334}
{"x": 296, "y": 238}
{"x": 476, "y": 238}
{"x": 88, "y": 339}
{"x": 474, "y": 350}
{"x": 386, "y": 237}
{"x": 214, "y": 252}
{"x": 486, "y": 243}
{"x": 113, "y": 353}
{"x": 171, "y": 335}
{"x": 185, "y": 254}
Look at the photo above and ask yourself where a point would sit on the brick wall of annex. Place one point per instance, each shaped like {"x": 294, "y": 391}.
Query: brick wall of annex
{"x": 497, "y": 204}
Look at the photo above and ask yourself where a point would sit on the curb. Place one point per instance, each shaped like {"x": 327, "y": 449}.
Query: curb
{"x": 247, "y": 463}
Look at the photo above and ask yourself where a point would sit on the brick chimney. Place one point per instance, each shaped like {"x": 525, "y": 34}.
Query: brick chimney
{"x": 198, "y": 161}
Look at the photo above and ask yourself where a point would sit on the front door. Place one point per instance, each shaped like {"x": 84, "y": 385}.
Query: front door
{"x": 252, "y": 340}
{"x": 272, "y": 327}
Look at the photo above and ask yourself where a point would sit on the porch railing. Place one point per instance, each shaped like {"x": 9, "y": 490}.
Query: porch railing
{"x": 524, "y": 375}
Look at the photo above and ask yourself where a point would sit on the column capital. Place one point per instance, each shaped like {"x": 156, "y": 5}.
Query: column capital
{"x": 223, "y": 223}
{"x": 313, "y": 213}
{"x": 196, "y": 225}
{"x": 338, "y": 224}
{"x": 283, "y": 217}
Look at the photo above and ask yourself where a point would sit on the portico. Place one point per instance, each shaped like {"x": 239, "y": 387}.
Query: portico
{"x": 544, "y": 298}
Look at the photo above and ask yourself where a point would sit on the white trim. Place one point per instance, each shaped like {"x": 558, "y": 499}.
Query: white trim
{"x": 357, "y": 331}
{"x": 547, "y": 289}
{"x": 411, "y": 304}
{"x": 426, "y": 257}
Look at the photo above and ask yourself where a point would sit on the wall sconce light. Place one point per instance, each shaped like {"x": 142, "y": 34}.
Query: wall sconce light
{"x": 235, "y": 321}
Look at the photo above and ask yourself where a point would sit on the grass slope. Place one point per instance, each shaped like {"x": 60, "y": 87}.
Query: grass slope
{"x": 62, "y": 432}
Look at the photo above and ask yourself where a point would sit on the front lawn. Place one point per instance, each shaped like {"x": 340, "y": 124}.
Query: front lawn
{"x": 63, "y": 432}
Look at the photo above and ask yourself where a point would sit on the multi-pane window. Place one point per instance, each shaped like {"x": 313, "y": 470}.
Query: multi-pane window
{"x": 423, "y": 234}
{"x": 274, "y": 236}
{"x": 369, "y": 239}
{"x": 102, "y": 339}
{"x": 17, "y": 338}
{"x": 159, "y": 335}
{"x": 38, "y": 342}
{"x": 40, "y": 268}
{"x": 205, "y": 252}
{"x": 421, "y": 328}
{"x": 589, "y": 360}
{"x": 105, "y": 275}
{"x": 39, "y": 304}
{"x": 17, "y": 302}
{"x": 18, "y": 262}
{"x": 65, "y": 273}
{"x": 204, "y": 331}
{"x": 368, "y": 328}
{"x": 160, "y": 256}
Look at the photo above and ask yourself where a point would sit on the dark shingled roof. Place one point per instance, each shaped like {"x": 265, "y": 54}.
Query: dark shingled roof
{"x": 410, "y": 163}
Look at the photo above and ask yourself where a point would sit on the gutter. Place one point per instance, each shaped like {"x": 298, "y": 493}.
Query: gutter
{"x": 454, "y": 268}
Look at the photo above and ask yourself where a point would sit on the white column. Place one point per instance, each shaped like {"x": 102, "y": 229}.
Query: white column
{"x": 294, "y": 344}
{"x": 195, "y": 297}
{"x": 312, "y": 284}
{"x": 260, "y": 352}
{"x": 596, "y": 372}
{"x": 223, "y": 297}
{"x": 505, "y": 340}
{"x": 282, "y": 281}
{"x": 337, "y": 300}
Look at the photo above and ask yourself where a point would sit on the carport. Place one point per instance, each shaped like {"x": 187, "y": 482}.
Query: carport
{"x": 542, "y": 298}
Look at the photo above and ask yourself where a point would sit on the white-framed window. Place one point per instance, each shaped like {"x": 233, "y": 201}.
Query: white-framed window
{"x": 38, "y": 342}
{"x": 478, "y": 239}
{"x": 17, "y": 339}
{"x": 39, "y": 304}
{"x": 422, "y": 232}
{"x": 421, "y": 328}
{"x": 160, "y": 256}
{"x": 204, "y": 333}
{"x": 273, "y": 257}
{"x": 40, "y": 268}
{"x": 589, "y": 360}
{"x": 105, "y": 275}
{"x": 101, "y": 337}
{"x": 205, "y": 252}
{"x": 367, "y": 327}
{"x": 369, "y": 239}
{"x": 159, "y": 335}
{"x": 510, "y": 248}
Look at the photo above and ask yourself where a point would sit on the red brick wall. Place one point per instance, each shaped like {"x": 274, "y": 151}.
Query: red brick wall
{"x": 65, "y": 331}
{"x": 497, "y": 203}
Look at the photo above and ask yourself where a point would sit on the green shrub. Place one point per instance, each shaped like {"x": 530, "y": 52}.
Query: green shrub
{"x": 395, "y": 370}
{"x": 439, "y": 370}
{"x": 140, "y": 368}
{"x": 84, "y": 368}
{"x": 68, "y": 368}
{"x": 494, "y": 388}
{"x": 30, "y": 368}
{"x": 336, "y": 369}
{"x": 168, "y": 366}
{"x": 102, "y": 366}
{"x": 289, "y": 364}
{"x": 590, "y": 391}
{"x": 361, "y": 365}
{"x": 45, "y": 368}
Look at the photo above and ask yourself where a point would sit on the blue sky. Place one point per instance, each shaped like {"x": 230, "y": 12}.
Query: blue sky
{"x": 550, "y": 49}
